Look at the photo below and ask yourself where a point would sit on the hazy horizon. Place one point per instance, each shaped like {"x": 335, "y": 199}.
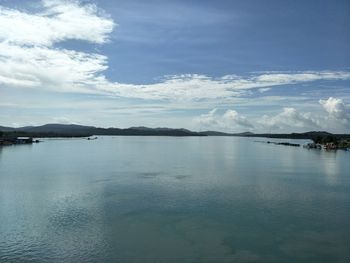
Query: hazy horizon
{"x": 225, "y": 66}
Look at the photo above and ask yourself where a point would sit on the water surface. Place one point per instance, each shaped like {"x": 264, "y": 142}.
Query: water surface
{"x": 169, "y": 199}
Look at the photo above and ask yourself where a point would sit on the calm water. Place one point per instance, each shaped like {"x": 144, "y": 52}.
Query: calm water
{"x": 166, "y": 199}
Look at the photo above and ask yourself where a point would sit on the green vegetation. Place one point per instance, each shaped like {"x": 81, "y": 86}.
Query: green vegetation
{"x": 326, "y": 139}
{"x": 61, "y": 130}
{"x": 340, "y": 142}
{"x": 14, "y": 134}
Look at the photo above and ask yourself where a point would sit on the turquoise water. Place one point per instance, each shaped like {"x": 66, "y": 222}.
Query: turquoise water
{"x": 169, "y": 199}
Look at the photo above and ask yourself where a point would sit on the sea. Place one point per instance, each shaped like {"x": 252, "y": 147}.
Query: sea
{"x": 173, "y": 199}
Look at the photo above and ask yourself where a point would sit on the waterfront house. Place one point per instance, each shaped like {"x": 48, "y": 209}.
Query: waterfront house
{"x": 24, "y": 140}
{"x": 330, "y": 146}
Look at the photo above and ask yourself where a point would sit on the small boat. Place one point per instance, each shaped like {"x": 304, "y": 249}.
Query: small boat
{"x": 92, "y": 138}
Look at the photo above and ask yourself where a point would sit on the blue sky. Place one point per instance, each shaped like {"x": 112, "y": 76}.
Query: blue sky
{"x": 225, "y": 65}
{"x": 219, "y": 38}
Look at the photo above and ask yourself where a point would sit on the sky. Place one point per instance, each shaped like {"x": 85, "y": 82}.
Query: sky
{"x": 233, "y": 66}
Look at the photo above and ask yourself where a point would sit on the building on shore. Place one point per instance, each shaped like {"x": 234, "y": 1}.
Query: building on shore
{"x": 15, "y": 140}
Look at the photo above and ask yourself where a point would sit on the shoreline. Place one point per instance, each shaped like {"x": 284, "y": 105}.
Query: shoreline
{"x": 331, "y": 145}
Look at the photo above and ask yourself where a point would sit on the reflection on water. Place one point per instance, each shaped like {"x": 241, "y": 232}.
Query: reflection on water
{"x": 151, "y": 199}
{"x": 331, "y": 167}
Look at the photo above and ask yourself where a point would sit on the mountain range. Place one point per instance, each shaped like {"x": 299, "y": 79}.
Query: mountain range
{"x": 74, "y": 130}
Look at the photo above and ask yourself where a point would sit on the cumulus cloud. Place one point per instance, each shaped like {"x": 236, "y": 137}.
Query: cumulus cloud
{"x": 335, "y": 119}
{"x": 231, "y": 117}
{"x": 228, "y": 121}
{"x": 208, "y": 120}
{"x": 289, "y": 119}
{"x": 336, "y": 108}
{"x": 338, "y": 114}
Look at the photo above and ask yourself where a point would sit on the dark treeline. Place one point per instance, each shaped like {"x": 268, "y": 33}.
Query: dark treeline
{"x": 61, "y": 130}
{"x": 316, "y": 136}
{"x": 339, "y": 141}
{"x": 15, "y": 134}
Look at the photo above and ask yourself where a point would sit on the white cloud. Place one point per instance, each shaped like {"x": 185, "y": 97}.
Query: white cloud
{"x": 262, "y": 90}
{"x": 63, "y": 120}
{"x": 338, "y": 114}
{"x": 336, "y": 108}
{"x": 230, "y": 121}
{"x": 49, "y": 68}
{"x": 290, "y": 119}
{"x": 208, "y": 120}
{"x": 231, "y": 117}
{"x": 28, "y": 58}
{"x": 59, "y": 20}
{"x": 201, "y": 87}
{"x": 286, "y": 78}
{"x": 336, "y": 119}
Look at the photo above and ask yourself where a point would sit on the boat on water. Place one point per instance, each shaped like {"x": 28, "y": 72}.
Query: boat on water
{"x": 92, "y": 138}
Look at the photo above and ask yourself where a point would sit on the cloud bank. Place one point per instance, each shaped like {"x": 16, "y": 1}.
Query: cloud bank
{"x": 335, "y": 118}
{"x": 228, "y": 121}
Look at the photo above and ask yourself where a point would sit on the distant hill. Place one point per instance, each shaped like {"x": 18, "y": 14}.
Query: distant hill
{"x": 6, "y": 129}
{"x": 73, "y": 130}
{"x": 216, "y": 133}
{"x": 306, "y": 135}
